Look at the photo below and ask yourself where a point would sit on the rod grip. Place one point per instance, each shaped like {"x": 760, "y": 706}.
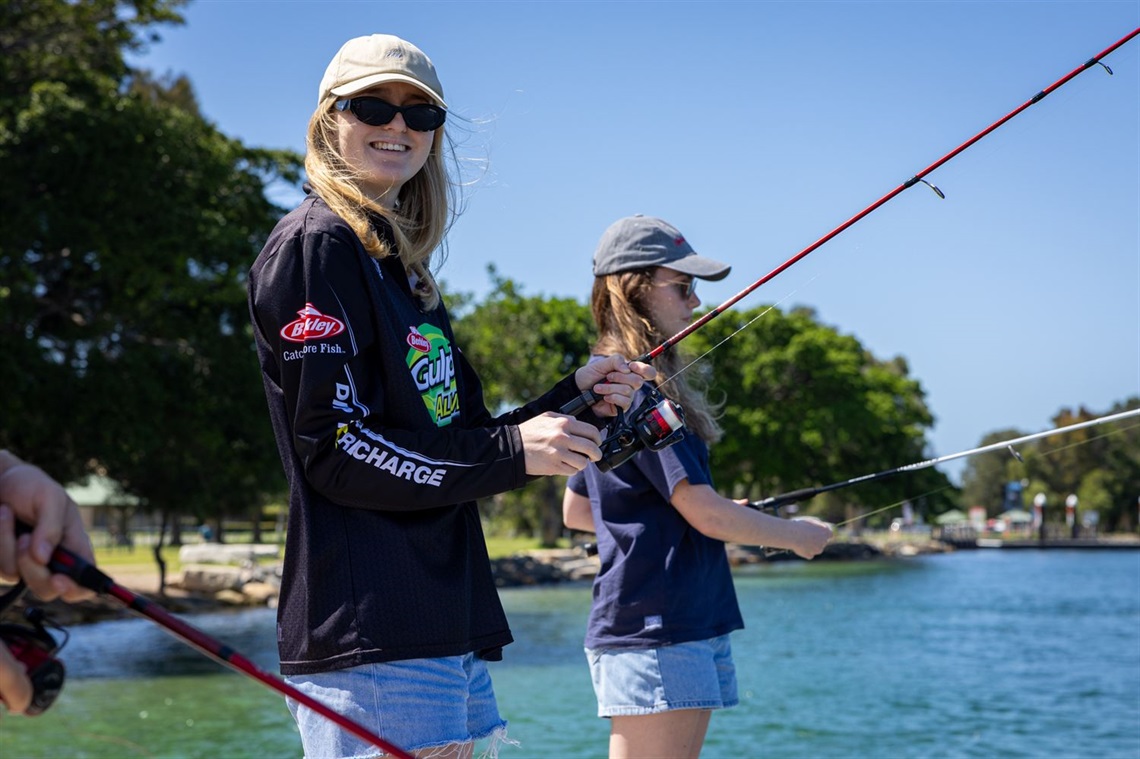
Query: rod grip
{"x": 581, "y": 403}
{"x": 64, "y": 562}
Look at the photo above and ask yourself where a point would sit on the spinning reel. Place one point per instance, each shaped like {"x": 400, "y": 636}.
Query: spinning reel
{"x": 656, "y": 424}
{"x": 34, "y": 647}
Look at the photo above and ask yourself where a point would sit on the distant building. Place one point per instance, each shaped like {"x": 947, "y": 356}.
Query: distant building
{"x": 96, "y": 497}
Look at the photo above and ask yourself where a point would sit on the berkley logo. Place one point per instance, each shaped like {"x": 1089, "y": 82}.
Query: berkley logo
{"x": 313, "y": 325}
{"x": 417, "y": 341}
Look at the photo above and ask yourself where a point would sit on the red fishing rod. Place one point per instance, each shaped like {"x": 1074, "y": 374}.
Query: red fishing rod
{"x": 88, "y": 576}
{"x": 589, "y": 397}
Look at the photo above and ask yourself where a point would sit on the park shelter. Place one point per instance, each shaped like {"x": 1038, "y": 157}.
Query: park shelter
{"x": 953, "y": 516}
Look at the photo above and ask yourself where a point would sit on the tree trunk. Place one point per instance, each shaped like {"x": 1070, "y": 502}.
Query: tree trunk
{"x": 158, "y": 555}
{"x": 124, "y": 517}
{"x": 550, "y": 516}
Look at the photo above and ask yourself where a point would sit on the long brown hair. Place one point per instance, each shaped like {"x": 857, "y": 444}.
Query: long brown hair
{"x": 426, "y": 209}
{"x": 621, "y": 314}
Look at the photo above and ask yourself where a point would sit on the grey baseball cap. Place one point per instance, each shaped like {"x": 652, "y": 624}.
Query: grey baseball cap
{"x": 639, "y": 242}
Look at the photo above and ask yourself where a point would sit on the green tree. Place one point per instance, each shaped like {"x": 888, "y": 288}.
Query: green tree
{"x": 805, "y": 405}
{"x": 1099, "y": 464}
{"x": 1095, "y": 494}
{"x": 130, "y": 223}
{"x": 1062, "y": 460}
{"x": 1121, "y": 479}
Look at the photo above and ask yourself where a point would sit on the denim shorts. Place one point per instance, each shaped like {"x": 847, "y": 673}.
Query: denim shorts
{"x": 694, "y": 675}
{"x": 414, "y": 704}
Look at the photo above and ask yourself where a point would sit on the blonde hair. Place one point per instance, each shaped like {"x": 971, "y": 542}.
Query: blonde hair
{"x": 426, "y": 208}
{"x": 621, "y": 314}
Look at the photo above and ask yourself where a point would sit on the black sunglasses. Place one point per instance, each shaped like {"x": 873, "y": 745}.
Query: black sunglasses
{"x": 422, "y": 117}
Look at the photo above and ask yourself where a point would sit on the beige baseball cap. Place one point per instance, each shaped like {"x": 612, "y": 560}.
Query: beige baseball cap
{"x": 363, "y": 62}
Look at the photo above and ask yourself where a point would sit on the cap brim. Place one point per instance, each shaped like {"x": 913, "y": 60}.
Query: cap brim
{"x": 359, "y": 85}
{"x": 700, "y": 267}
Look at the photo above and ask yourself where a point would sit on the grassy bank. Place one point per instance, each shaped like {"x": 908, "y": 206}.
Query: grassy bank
{"x": 142, "y": 556}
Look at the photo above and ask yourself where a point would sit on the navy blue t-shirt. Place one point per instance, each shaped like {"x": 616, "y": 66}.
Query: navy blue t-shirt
{"x": 661, "y": 581}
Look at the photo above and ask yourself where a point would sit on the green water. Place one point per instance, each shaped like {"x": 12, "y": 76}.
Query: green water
{"x": 975, "y": 654}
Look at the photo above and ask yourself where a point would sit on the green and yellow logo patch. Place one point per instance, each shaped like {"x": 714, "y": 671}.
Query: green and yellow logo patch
{"x": 432, "y": 365}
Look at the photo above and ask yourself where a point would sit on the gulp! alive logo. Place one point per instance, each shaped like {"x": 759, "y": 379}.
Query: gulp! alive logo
{"x": 312, "y": 325}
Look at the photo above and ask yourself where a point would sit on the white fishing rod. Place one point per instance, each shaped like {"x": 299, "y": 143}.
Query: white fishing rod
{"x": 803, "y": 494}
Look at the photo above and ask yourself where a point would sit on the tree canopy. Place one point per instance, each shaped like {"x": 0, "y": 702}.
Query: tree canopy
{"x": 130, "y": 222}
{"x": 805, "y": 405}
{"x": 1100, "y": 465}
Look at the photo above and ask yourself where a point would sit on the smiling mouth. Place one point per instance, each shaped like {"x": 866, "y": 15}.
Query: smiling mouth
{"x": 388, "y": 146}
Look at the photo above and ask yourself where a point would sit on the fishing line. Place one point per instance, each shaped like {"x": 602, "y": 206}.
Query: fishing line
{"x": 1049, "y": 452}
{"x": 740, "y": 329}
{"x": 589, "y": 397}
{"x": 773, "y": 504}
{"x": 1110, "y": 433}
{"x": 769, "y": 552}
{"x": 896, "y": 504}
{"x": 805, "y": 493}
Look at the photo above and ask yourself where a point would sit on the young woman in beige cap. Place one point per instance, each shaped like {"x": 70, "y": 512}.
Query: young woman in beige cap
{"x": 657, "y": 639}
{"x": 388, "y": 609}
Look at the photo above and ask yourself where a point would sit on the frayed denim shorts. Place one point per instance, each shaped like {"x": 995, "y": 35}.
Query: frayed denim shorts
{"x": 414, "y": 704}
{"x": 698, "y": 674}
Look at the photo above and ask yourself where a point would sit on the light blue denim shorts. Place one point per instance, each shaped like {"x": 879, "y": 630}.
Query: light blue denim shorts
{"x": 694, "y": 675}
{"x": 414, "y": 704}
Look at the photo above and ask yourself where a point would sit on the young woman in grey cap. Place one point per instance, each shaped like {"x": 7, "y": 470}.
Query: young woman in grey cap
{"x": 388, "y": 609}
{"x": 657, "y": 639}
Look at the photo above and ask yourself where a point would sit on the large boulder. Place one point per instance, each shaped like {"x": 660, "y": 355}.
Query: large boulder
{"x": 241, "y": 554}
{"x": 209, "y": 578}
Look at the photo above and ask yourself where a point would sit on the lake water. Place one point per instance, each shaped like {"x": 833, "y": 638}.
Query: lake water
{"x": 974, "y": 654}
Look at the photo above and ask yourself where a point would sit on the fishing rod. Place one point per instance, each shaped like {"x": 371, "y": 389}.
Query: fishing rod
{"x": 794, "y": 496}
{"x": 88, "y": 576}
{"x": 589, "y": 397}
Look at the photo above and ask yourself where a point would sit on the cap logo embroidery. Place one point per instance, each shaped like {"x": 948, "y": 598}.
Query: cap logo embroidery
{"x": 678, "y": 240}
{"x": 313, "y": 325}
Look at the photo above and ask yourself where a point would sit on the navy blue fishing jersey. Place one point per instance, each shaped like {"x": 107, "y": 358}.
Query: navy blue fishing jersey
{"x": 661, "y": 580}
{"x": 386, "y": 443}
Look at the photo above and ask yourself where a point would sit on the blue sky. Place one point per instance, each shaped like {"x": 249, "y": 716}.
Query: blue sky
{"x": 758, "y": 127}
